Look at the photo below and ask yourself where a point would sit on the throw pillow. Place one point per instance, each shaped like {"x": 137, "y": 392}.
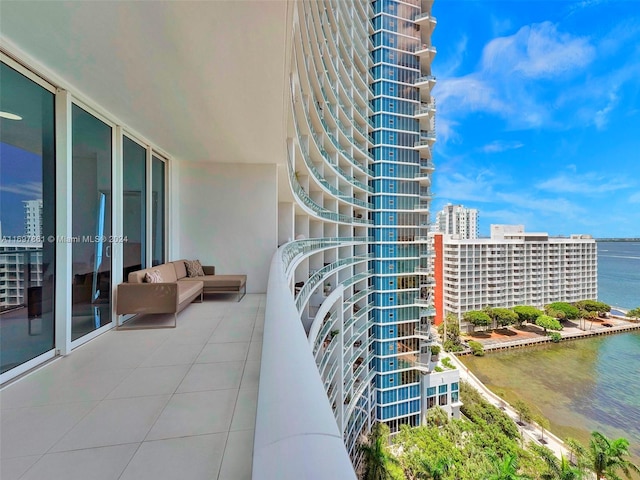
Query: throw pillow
{"x": 194, "y": 268}
{"x": 154, "y": 276}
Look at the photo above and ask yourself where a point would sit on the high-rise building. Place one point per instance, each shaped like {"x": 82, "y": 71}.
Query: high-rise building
{"x": 229, "y": 131}
{"x": 458, "y": 220}
{"x": 511, "y": 268}
{"x": 403, "y": 135}
{"x": 33, "y": 219}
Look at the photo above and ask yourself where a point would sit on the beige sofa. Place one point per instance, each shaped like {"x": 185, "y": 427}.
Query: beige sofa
{"x": 176, "y": 290}
{"x": 213, "y": 283}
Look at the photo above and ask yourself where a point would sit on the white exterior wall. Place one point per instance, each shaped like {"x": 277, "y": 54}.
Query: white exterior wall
{"x": 506, "y": 273}
{"x": 227, "y": 217}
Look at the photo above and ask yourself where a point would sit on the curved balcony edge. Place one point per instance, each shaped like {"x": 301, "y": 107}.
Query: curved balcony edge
{"x": 296, "y": 434}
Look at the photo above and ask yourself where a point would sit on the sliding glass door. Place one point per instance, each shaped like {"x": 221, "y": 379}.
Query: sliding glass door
{"x": 27, "y": 219}
{"x": 158, "y": 210}
{"x": 91, "y": 223}
{"x": 134, "y": 217}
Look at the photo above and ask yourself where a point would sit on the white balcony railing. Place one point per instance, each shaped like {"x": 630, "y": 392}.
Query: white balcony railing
{"x": 296, "y": 433}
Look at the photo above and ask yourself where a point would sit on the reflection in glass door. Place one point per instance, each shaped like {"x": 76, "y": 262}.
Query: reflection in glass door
{"x": 158, "y": 211}
{"x": 91, "y": 223}
{"x": 27, "y": 219}
{"x": 134, "y": 218}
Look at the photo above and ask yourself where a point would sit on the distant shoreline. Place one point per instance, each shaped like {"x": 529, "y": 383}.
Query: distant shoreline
{"x": 617, "y": 239}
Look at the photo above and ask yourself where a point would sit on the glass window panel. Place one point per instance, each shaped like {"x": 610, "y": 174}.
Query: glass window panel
{"x": 134, "y": 216}
{"x": 27, "y": 219}
{"x": 158, "y": 211}
{"x": 91, "y": 223}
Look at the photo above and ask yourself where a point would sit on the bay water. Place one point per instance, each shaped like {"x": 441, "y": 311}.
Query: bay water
{"x": 582, "y": 385}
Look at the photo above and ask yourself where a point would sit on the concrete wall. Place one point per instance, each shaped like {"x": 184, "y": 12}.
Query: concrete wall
{"x": 226, "y": 215}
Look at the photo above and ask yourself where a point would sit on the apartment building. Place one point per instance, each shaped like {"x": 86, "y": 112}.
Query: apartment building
{"x": 299, "y": 154}
{"x": 457, "y": 220}
{"x": 511, "y": 268}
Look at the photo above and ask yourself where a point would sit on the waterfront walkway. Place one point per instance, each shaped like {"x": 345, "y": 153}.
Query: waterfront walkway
{"x": 513, "y": 337}
{"x": 174, "y": 403}
{"x": 530, "y": 432}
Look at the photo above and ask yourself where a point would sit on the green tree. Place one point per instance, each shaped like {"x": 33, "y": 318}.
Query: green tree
{"x": 634, "y": 313}
{"x": 543, "y": 423}
{"x": 434, "y": 470}
{"x": 526, "y": 314}
{"x": 477, "y": 318}
{"x": 608, "y": 457}
{"x": 506, "y": 469}
{"x": 557, "y": 469}
{"x": 547, "y": 322}
{"x": 593, "y": 306}
{"x": 523, "y": 410}
{"x": 504, "y": 316}
{"x": 437, "y": 417}
{"x": 570, "y": 312}
{"x": 377, "y": 459}
{"x": 449, "y": 329}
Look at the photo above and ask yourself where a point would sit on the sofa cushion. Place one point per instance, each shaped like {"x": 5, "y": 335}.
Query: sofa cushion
{"x": 194, "y": 268}
{"x": 167, "y": 271}
{"x": 153, "y": 276}
{"x": 221, "y": 281}
{"x": 188, "y": 289}
{"x": 180, "y": 268}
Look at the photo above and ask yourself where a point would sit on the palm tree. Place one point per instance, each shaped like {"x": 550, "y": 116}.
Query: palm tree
{"x": 434, "y": 471}
{"x": 507, "y": 469}
{"x": 557, "y": 469}
{"x": 376, "y": 456}
{"x": 608, "y": 457}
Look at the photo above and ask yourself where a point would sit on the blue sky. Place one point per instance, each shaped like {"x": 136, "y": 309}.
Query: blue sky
{"x": 538, "y": 113}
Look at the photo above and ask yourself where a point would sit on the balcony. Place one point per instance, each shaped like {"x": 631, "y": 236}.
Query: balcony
{"x": 425, "y": 18}
{"x": 426, "y": 140}
{"x": 425, "y": 81}
{"x": 145, "y": 403}
{"x": 426, "y": 53}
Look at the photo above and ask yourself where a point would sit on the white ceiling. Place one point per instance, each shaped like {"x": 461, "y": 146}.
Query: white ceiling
{"x": 203, "y": 80}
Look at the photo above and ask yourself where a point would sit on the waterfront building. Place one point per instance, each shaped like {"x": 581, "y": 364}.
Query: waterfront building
{"x": 511, "y": 268}
{"x": 457, "y": 220}
{"x": 290, "y": 141}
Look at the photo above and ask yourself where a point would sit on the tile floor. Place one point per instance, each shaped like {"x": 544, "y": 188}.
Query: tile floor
{"x": 143, "y": 404}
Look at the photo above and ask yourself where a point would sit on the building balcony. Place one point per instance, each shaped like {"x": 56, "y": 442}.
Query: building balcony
{"x": 426, "y": 140}
{"x": 425, "y": 81}
{"x": 425, "y": 19}
{"x": 425, "y": 109}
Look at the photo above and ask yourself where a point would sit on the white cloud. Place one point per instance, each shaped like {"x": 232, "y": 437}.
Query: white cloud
{"x": 30, "y": 189}
{"x": 555, "y": 206}
{"x": 538, "y": 51}
{"x": 458, "y": 187}
{"x": 635, "y": 198}
{"x": 601, "y": 118}
{"x": 586, "y": 184}
{"x": 501, "y": 146}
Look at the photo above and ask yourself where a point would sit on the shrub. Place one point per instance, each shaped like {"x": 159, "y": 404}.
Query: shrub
{"x": 476, "y": 348}
{"x": 438, "y": 369}
{"x": 451, "y": 346}
{"x": 435, "y": 350}
{"x": 555, "y": 337}
{"x": 447, "y": 363}
{"x": 634, "y": 313}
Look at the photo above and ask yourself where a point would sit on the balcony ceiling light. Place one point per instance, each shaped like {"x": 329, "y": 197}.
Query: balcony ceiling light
{"x": 9, "y": 116}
